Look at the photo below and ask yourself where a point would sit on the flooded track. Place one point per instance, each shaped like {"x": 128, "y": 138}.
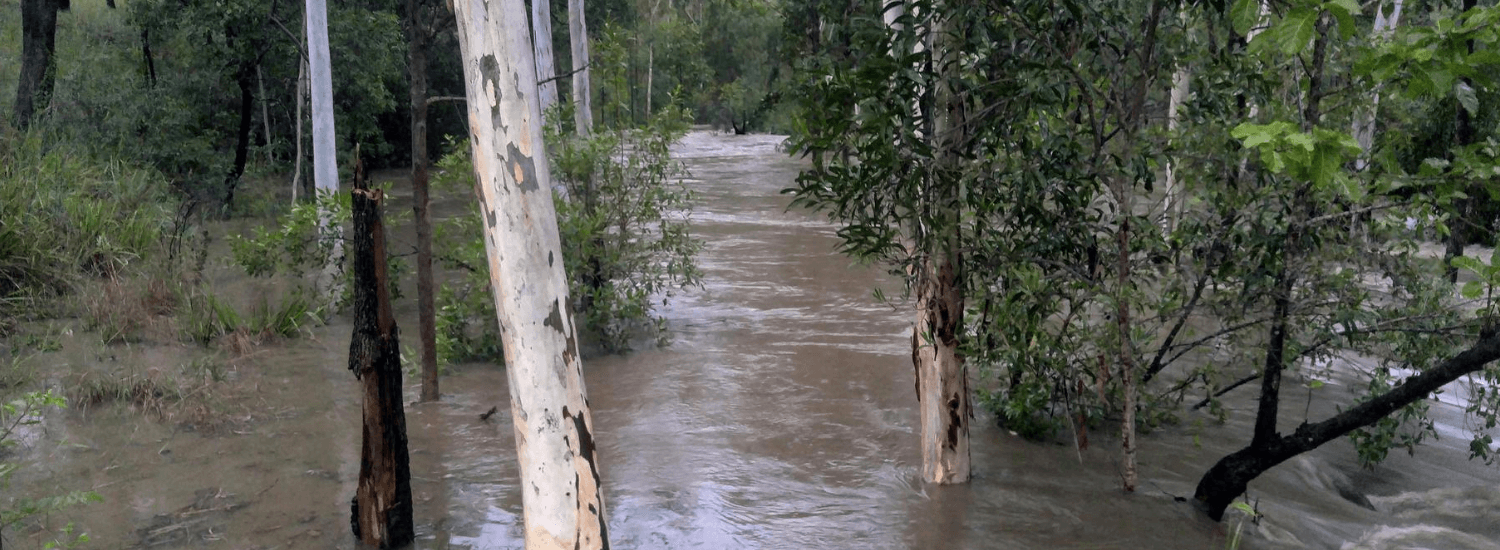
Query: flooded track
{"x": 781, "y": 416}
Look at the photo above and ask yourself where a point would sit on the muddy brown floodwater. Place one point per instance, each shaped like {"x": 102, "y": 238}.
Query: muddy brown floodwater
{"x": 781, "y": 416}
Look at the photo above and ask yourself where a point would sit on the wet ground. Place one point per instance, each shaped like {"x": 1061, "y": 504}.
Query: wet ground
{"x": 781, "y": 416}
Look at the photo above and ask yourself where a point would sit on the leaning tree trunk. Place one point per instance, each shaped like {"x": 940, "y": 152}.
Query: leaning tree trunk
{"x": 426, "y": 303}
{"x": 578, "y": 37}
{"x": 541, "y": 34}
{"x": 563, "y": 504}
{"x": 381, "y": 513}
{"x": 1229, "y": 477}
{"x": 325, "y": 161}
{"x": 942, "y": 380}
{"x": 38, "y": 64}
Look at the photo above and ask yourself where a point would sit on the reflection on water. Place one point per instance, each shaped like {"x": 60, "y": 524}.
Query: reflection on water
{"x": 781, "y": 416}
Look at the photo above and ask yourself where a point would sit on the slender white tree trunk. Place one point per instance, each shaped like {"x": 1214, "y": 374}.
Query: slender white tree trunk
{"x": 1171, "y": 202}
{"x": 325, "y": 155}
{"x": 546, "y": 70}
{"x": 563, "y": 501}
{"x": 1364, "y": 122}
{"x": 578, "y": 37}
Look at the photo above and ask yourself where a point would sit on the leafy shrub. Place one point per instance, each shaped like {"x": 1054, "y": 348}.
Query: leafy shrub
{"x": 67, "y": 213}
{"x": 623, "y": 218}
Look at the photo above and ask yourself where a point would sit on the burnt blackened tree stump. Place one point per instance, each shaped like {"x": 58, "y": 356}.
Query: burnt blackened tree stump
{"x": 382, "y": 515}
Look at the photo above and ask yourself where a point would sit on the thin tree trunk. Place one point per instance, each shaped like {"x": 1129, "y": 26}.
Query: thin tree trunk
{"x": 149, "y": 59}
{"x": 546, "y": 69}
{"x": 1171, "y": 203}
{"x": 578, "y": 37}
{"x": 563, "y": 504}
{"x": 381, "y": 512}
{"x": 301, "y": 99}
{"x": 38, "y": 64}
{"x": 942, "y": 379}
{"x": 325, "y": 159}
{"x": 265, "y": 112}
{"x": 1364, "y": 123}
{"x": 1122, "y": 320}
{"x": 1463, "y": 135}
{"x": 242, "y": 137}
{"x": 650, "y": 72}
{"x": 426, "y": 303}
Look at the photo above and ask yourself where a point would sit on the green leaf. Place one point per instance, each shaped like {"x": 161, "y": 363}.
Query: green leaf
{"x": 1343, "y": 11}
{"x": 1295, "y": 30}
{"x": 1315, "y": 384}
{"x": 1301, "y": 140}
{"x": 1465, "y": 262}
{"x": 1245, "y": 15}
{"x": 1472, "y": 290}
{"x": 1466, "y": 98}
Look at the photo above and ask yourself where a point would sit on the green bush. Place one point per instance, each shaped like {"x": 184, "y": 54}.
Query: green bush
{"x": 623, "y": 218}
{"x": 67, "y": 212}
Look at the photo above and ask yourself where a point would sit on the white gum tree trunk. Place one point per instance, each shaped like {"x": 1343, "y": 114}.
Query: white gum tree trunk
{"x": 563, "y": 502}
{"x": 941, "y": 377}
{"x": 1364, "y": 122}
{"x": 325, "y": 153}
{"x": 578, "y": 38}
{"x": 546, "y": 69}
{"x": 1173, "y": 195}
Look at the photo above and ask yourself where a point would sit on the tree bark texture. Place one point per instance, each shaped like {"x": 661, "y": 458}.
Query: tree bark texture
{"x": 1126, "y": 355}
{"x": 578, "y": 37}
{"x": 324, "y": 138}
{"x": 382, "y": 507}
{"x": 942, "y": 380}
{"x": 1229, "y": 477}
{"x": 563, "y": 499}
{"x": 546, "y": 68}
{"x": 426, "y": 302}
{"x": 38, "y": 64}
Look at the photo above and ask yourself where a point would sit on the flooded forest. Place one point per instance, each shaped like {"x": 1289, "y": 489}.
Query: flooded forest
{"x": 750, "y": 274}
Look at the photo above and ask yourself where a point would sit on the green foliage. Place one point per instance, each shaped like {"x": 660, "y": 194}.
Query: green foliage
{"x": 622, "y": 215}
{"x": 623, "y": 218}
{"x": 68, "y": 213}
{"x": 302, "y": 241}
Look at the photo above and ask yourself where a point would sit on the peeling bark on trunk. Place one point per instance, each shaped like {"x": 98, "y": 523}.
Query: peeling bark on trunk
{"x": 942, "y": 380}
{"x": 546, "y": 69}
{"x": 38, "y": 64}
{"x": 578, "y": 37}
{"x": 563, "y": 500}
{"x": 426, "y": 302}
{"x": 381, "y": 512}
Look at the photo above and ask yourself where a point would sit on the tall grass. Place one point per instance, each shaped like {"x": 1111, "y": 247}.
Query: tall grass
{"x": 67, "y": 213}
